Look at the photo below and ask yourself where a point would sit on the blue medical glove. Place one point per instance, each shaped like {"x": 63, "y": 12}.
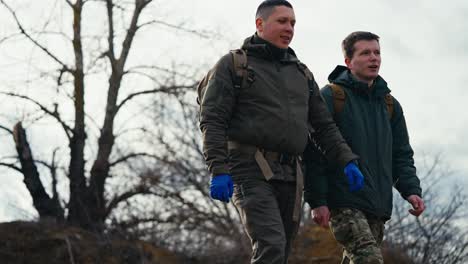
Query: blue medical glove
{"x": 221, "y": 187}
{"x": 354, "y": 175}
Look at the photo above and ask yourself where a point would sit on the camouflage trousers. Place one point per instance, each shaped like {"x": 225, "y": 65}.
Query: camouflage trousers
{"x": 360, "y": 236}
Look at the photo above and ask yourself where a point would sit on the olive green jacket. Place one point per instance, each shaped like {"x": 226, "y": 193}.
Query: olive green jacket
{"x": 274, "y": 112}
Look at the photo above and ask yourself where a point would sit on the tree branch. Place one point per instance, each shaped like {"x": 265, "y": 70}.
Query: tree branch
{"x": 53, "y": 173}
{"x": 55, "y": 114}
{"x": 4, "y": 39}
{"x": 132, "y": 155}
{"x": 139, "y": 6}
{"x": 81, "y": 210}
{"x": 205, "y": 35}
{"x": 100, "y": 168}
{"x": 169, "y": 89}
{"x": 45, "y": 206}
{"x": 157, "y": 68}
{"x": 34, "y": 41}
{"x": 141, "y": 189}
{"x": 110, "y": 37}
{"x": 11, "y": 166}
{"x": 6, "y": 129}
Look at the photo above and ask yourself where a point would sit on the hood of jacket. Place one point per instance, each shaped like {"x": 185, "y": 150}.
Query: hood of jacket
{"x": 341, "y": 75}
{"x": 258, "y": 47}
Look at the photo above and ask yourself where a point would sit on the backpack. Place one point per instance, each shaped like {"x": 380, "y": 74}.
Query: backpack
{"x": 245, "y": 75}
{"x": 339, "y": 97}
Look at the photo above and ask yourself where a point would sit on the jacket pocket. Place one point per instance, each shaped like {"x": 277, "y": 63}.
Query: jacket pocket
{"x": 368, "y": 176}
{"x": 370, "y": 193}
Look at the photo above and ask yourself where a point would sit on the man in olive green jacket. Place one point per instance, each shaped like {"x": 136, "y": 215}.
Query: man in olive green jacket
{"x": 373, "y": 124}
{"x": 255, "y": 133}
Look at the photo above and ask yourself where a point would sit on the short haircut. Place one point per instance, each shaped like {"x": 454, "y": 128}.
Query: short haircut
{"x": 348, "y": 43}
{"x": 265, "y": 9}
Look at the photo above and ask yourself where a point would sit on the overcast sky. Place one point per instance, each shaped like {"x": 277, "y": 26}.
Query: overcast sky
{"x": 424, "y": 46}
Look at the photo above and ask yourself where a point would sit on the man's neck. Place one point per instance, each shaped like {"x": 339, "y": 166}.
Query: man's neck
{"x": 278, "y": 53}
{"x": 370, "y": 83}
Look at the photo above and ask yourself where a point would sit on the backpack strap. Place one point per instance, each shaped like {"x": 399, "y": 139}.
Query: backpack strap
{"x": 239, "y": 60}
{"x": 303, "y": 68}
{"x": 389, "y": 102}
{"x": 243, "y": 73}
{"x": 339, "y": 97}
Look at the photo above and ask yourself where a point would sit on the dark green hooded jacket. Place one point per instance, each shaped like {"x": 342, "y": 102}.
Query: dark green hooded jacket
{"x": 386, "y": 157}
{"x": 274, "y": 112}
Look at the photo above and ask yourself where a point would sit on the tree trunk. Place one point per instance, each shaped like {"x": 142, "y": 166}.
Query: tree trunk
{"x": 79, "y": 212}
{"x": 46, "y": 207}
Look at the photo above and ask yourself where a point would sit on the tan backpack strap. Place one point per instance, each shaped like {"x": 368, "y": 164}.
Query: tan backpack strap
{"x": 339, "y": 97}
{"x": 308, "y": 74}
{"x": 239, "y": 60}
{"x": 299, "y": 190}
{"x": 201, "y": 86}
{"x": 259, "y": 157}
{"x": 389, "y": 102}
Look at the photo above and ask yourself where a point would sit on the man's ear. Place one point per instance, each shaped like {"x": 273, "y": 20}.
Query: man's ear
{"x": 347, "y": 61}
{"x": 259, "y": 24}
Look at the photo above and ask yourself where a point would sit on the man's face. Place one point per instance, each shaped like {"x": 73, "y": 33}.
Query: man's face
{"x": 278, "y": 28}
{"x": 365, "y": 63}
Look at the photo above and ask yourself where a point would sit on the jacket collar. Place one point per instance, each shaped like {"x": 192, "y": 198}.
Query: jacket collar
{"x": 258, "y": 47}
{"x": 342, "y": 76}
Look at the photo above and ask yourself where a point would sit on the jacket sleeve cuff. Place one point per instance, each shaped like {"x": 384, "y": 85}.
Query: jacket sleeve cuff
{"x": 414, "y": 191}
{"x": 348, "y": 159}
{"x": 223, "y": 169}
{"x": 315, "y": 202}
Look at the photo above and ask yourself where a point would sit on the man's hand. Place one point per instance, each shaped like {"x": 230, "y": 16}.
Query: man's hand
{"x": 221, "y": 187}
{"x": 321, "y": 216}
{"x": 417, "y": 203}
{"x": 355, "y": 177}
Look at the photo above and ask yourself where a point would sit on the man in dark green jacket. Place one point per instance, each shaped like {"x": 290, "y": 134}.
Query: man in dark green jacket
{"x": 254, "y": 133}
{"x": 373, "y": 124}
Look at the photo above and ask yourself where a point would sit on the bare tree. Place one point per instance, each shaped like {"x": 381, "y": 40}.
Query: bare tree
{"x": 439, "y": 235}
{"x": 185, "y": 219}
{"x": 95, "y": 151}
{"x": 147, "y": 178}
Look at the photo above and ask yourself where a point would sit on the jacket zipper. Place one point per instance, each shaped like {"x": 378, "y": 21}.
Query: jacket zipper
{"x": 374, "y": 114}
